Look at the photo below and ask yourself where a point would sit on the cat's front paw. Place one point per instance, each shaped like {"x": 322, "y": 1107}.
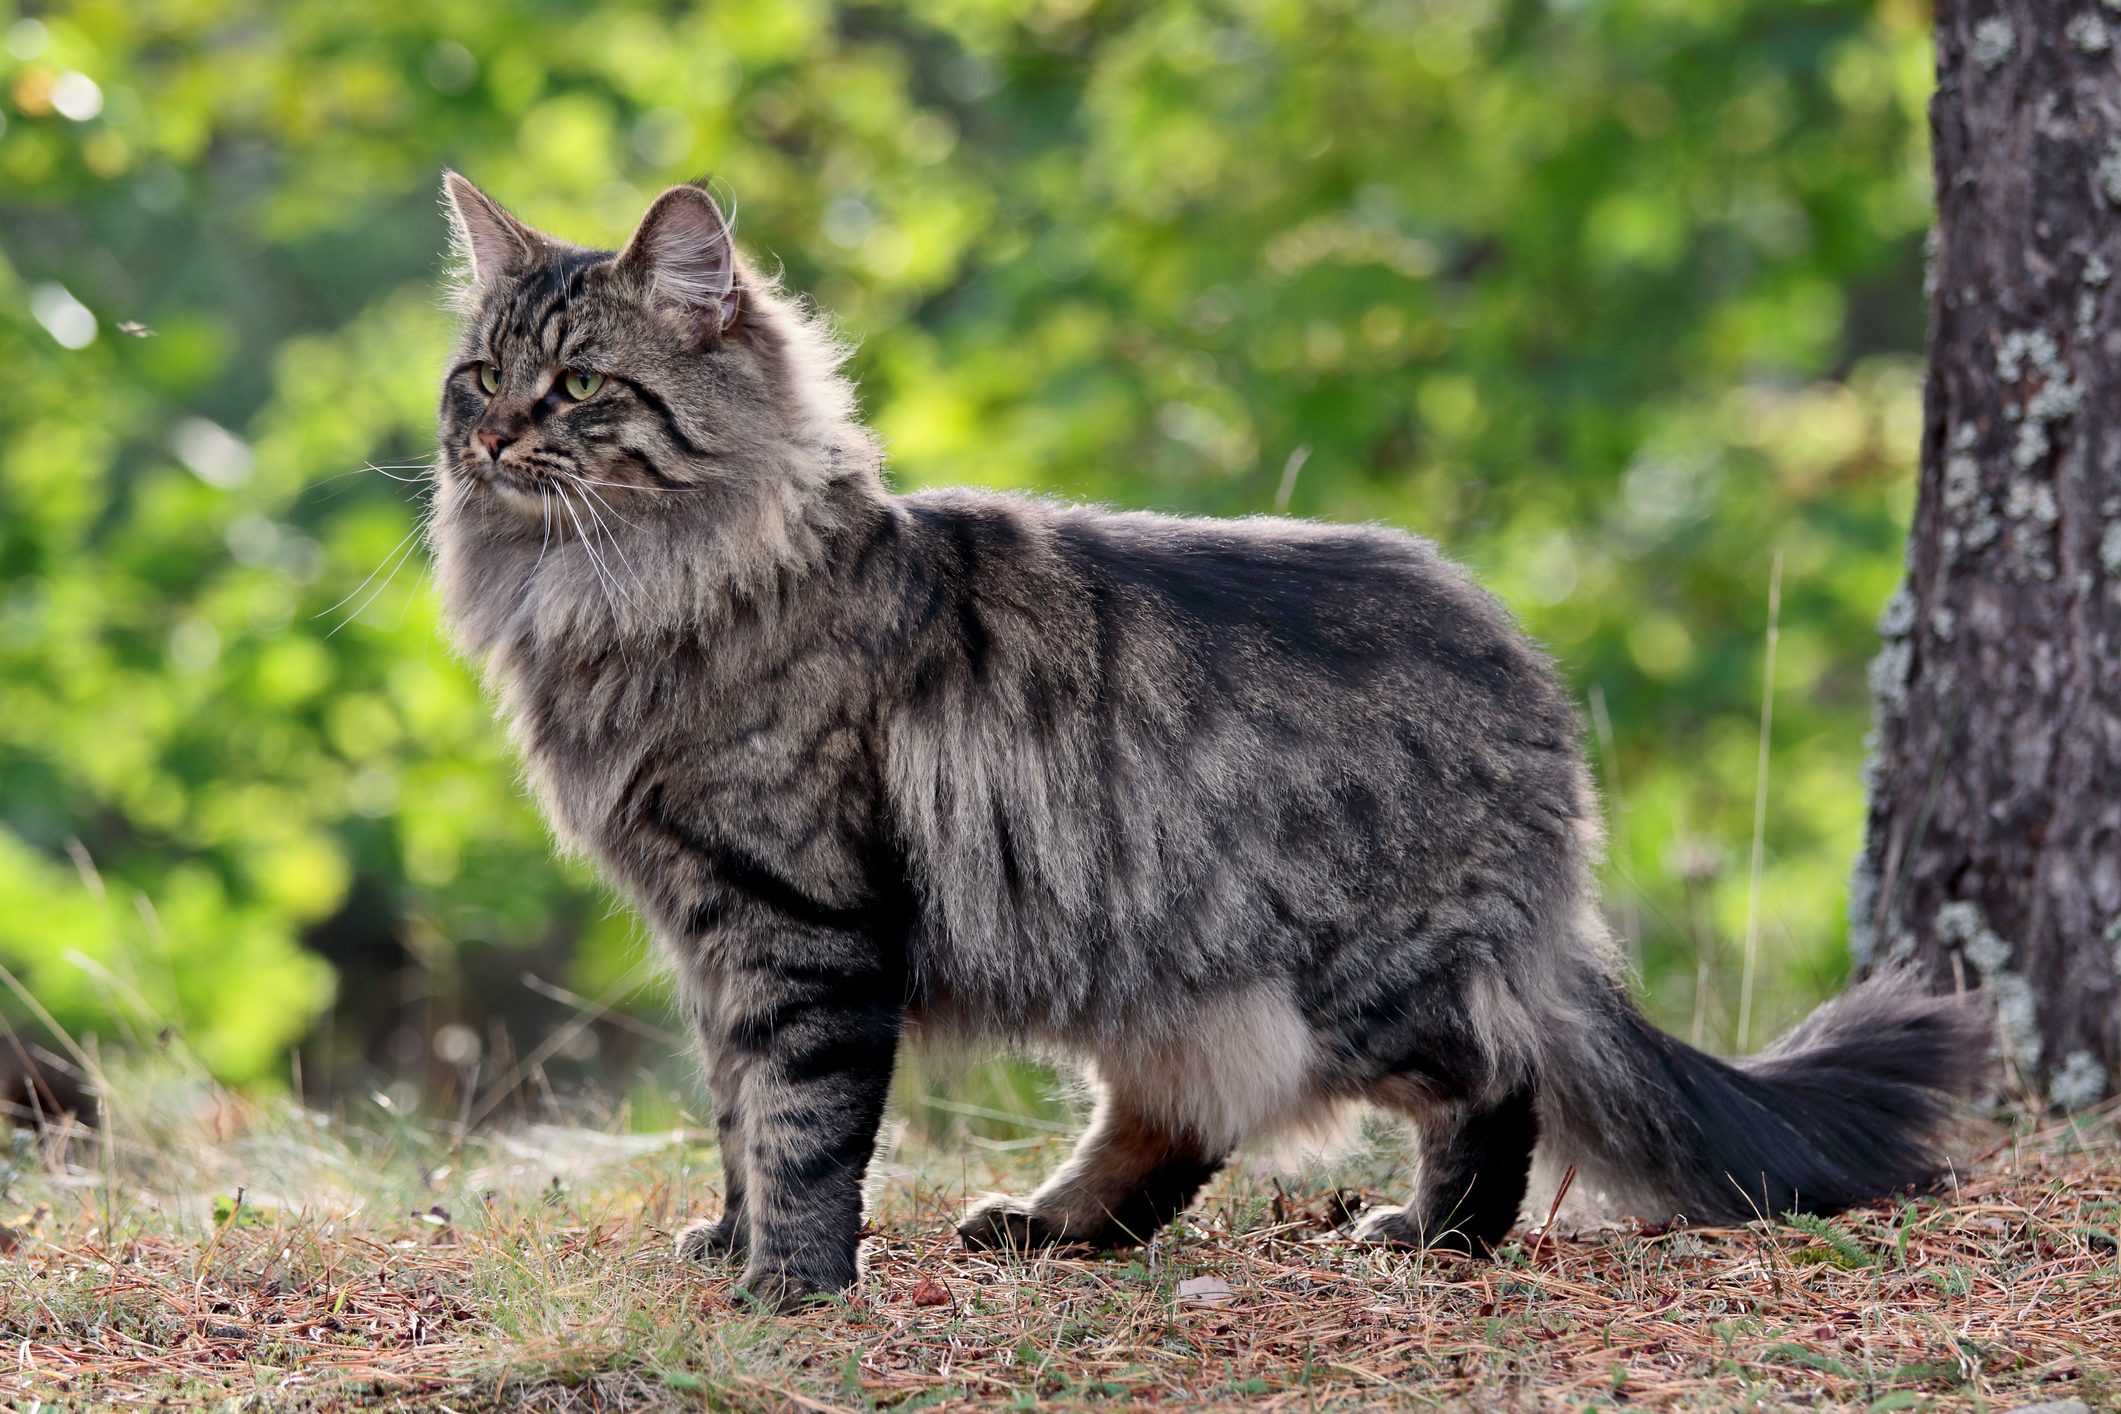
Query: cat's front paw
{"x": 1012, "y": 1224}
{"x": 710, "y": 1239}
{"x": 781, "y": 1290}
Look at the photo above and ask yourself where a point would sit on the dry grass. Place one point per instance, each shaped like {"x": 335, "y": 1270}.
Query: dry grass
{"x": 388, "y": 1265}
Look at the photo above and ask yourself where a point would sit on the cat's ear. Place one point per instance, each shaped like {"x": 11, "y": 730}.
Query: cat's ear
{"x": 492, "y": 243}
{"x": 682, "y": 259}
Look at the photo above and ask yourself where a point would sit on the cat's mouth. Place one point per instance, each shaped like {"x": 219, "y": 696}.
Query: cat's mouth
{"x": 522, "y": 487}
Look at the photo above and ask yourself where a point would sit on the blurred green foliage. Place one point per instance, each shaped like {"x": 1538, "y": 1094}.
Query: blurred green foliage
{"x": 1616, "y": 298}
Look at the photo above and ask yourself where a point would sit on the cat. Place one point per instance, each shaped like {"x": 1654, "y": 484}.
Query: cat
{"x": 1251, "y": 819}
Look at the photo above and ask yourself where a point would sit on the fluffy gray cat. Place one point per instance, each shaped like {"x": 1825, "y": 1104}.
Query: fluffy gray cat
{"x": 1250, "y": 819}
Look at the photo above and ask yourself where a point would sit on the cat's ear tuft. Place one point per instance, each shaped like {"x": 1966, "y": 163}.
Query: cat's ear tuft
{"x": 682, "y": 258}
{"x": 492, "y": 243}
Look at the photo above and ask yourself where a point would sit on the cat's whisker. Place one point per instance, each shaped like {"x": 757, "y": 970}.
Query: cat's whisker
{"x": 564, "y": 468}
{"x": 563, "y": 477}
{"x": 392, "y": 472}
{"x": 585, "y": 483}
{"x": 408, "y": 549}
{"x": 281, "y": 503}
{"x": 596, "y": 559}
{"x": 545, "y": 520}
{"x": 393, "y": 554}
{"x": 612, "y": 535}
{"x": 544, "y": 544}
{"x": 426, "y": 575}
{"x": 630, "y": 485}
{"x": 598, "y": 528}
{"x": 581, "y": 535}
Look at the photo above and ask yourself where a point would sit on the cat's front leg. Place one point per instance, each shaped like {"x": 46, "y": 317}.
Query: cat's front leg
{"x": 815, "y": 1020}
{"x": 726, "y": 1235}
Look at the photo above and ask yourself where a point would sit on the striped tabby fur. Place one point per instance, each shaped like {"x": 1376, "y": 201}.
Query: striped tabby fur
{"x": 1250, "y": 818}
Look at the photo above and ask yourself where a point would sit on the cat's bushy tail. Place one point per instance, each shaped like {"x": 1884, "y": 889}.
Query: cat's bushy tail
{"x": 1850, "y": 1106}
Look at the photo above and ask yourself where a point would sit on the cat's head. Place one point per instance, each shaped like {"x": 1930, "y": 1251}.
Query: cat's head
{"x": 670, "y": 366}
{"x": 630, "y": 439}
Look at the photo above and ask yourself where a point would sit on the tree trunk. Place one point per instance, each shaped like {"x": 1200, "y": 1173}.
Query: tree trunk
{"x": 1993, "y": 855}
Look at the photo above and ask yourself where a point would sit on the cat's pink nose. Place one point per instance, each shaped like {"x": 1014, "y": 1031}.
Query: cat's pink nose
{"x": 495, "y": 443}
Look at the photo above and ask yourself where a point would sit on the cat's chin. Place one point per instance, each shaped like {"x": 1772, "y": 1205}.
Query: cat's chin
{"x": 516, "y": 492}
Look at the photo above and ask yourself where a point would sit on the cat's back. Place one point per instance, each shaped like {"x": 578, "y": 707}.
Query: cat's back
{"x": 1251, "y": 605}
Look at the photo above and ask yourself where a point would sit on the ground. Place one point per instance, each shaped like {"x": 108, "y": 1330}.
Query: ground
{"x": 221, "y": 1253}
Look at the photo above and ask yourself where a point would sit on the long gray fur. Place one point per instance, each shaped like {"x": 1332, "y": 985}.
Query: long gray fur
{"x": 1249, "y": 819}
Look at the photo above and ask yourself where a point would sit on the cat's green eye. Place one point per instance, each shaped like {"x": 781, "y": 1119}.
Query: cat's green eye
{"x": 580, "y": 383}
{"x": 490, "y": 378}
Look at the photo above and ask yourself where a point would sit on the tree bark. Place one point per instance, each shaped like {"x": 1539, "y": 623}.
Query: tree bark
{"x": 1993, "y": 855}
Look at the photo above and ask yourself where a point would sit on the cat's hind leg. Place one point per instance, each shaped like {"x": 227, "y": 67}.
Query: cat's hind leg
{"x": 1129, "y": 1175}
{"x": 1475, "y": 1162}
